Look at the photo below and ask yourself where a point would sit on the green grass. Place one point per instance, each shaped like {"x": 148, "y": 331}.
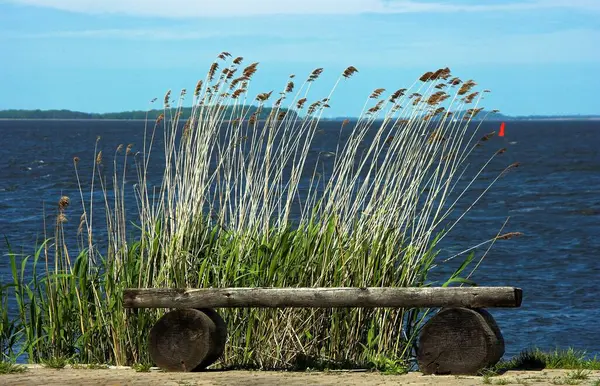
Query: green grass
{"x": 55, "y": 362}
{"x": 11, "y": 368}
{"x": 580, "y": 374}
{"x": 142, "y": 368}
{"x": 536, "y": 359}
{"x": 221, "y": 216}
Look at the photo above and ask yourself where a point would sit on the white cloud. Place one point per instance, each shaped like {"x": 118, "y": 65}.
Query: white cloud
{"x": 212, "y": 8}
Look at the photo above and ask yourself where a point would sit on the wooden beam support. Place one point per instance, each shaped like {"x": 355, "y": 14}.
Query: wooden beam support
{"x": 423, "y": 297}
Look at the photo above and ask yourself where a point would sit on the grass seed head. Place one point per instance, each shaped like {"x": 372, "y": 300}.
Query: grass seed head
{"x": 426, "y": 76}
{"x": 237, "y": 93}
{"x": 469, "y": 98}
{"x": 252, "y": 119}
{"x": 300, "y": 103}
{"x": 198, "y": 88}
{"x": 466, "y": 87}
{"x": 315, "y": 74}
{"x": 290, "y": 87}
{"x": 442, "y": 73}
{"x": 166, "y": 99}
{"x": 375, "y": 108}
{"x": 348, "y": 72}
{"x": 211, "y": 72}
{"x": 454, "y": 81}
{"x": 224, "y": 55}
{"x": 63, "y": 202}
{"x": 61, "y": 218}
{"x": 437, "y": 98}
{"x": 313, "y": 107}
{"x": 250, "y": 70}
{"x": 509, "y": 235}
{"x": 397, "y": 94}
{"x": 263, "y": 97}
{"x": 487, "y": 136}
{"x": 376, "y": 93}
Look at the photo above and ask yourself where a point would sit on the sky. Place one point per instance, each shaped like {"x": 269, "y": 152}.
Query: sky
{"x": 536, "y": 56}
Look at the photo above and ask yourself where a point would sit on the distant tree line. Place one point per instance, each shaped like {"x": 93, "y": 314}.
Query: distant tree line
{"x": 136, "y": 114}
{"x": 186, "y": 112}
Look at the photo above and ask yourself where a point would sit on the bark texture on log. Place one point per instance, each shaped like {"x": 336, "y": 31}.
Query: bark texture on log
{"x": 471, "y": 297}
{"x": 180, "y": 340}
{"x": 459, "y": 341}
{"x": 218, "y": 338}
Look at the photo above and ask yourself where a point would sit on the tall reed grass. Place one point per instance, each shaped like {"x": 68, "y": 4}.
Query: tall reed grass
{"x": 241, "y": 204}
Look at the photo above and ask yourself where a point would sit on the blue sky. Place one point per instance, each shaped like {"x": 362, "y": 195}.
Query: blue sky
{"x": 537, "y": 56}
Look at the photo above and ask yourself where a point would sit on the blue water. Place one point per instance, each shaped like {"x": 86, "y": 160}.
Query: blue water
{"x": 553, "y": 197}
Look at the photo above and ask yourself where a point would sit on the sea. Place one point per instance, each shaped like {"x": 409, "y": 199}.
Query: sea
{"x": 552, "y": 198}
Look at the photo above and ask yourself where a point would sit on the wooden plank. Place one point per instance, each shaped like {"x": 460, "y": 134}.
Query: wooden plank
{"x": 427, "y": 297}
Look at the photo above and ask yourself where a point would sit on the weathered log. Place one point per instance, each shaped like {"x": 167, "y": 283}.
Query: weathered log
{"x": 459, "y": 341}
{"x": 471, "y": 297}
{"x": 180, "y": 340}
{"x": 218, "y": 338}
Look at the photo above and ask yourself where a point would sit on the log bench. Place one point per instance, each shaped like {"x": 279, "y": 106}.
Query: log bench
{"x": 461, "y": 338}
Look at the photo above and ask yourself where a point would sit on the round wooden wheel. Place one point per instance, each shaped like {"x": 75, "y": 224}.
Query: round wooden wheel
{"x": 218, "y": 337}
{"x": 180, "y": 340}
{"x": 459, "y": 341}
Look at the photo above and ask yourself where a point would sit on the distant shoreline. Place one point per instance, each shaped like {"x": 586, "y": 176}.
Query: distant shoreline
{"x": 322, "y": 119}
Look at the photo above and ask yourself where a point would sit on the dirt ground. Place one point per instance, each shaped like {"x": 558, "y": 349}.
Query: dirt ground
{"x": 37, "y": 375}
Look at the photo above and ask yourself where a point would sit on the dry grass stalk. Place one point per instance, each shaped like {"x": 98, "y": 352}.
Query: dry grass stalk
{"x": 227, "y": 213}
{"x": 509, "y": 235}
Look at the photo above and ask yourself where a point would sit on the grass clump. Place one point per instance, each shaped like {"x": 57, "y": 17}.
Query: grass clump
{"x": 55, "y": 362}
{"x": 142, "y": 367}
{"x": 536, "y": 359}
{"x": 240, "y": 205}
{"x": 11, "y": 368}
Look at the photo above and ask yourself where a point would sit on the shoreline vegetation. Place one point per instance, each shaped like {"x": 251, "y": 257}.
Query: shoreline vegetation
{"x": 139, "y": 115}
{"x": 534, "y": 367}
{"x": 222, "y": 215}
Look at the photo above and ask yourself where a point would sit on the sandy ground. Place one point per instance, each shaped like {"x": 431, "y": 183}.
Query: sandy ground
{"x": 42, "y": 376}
